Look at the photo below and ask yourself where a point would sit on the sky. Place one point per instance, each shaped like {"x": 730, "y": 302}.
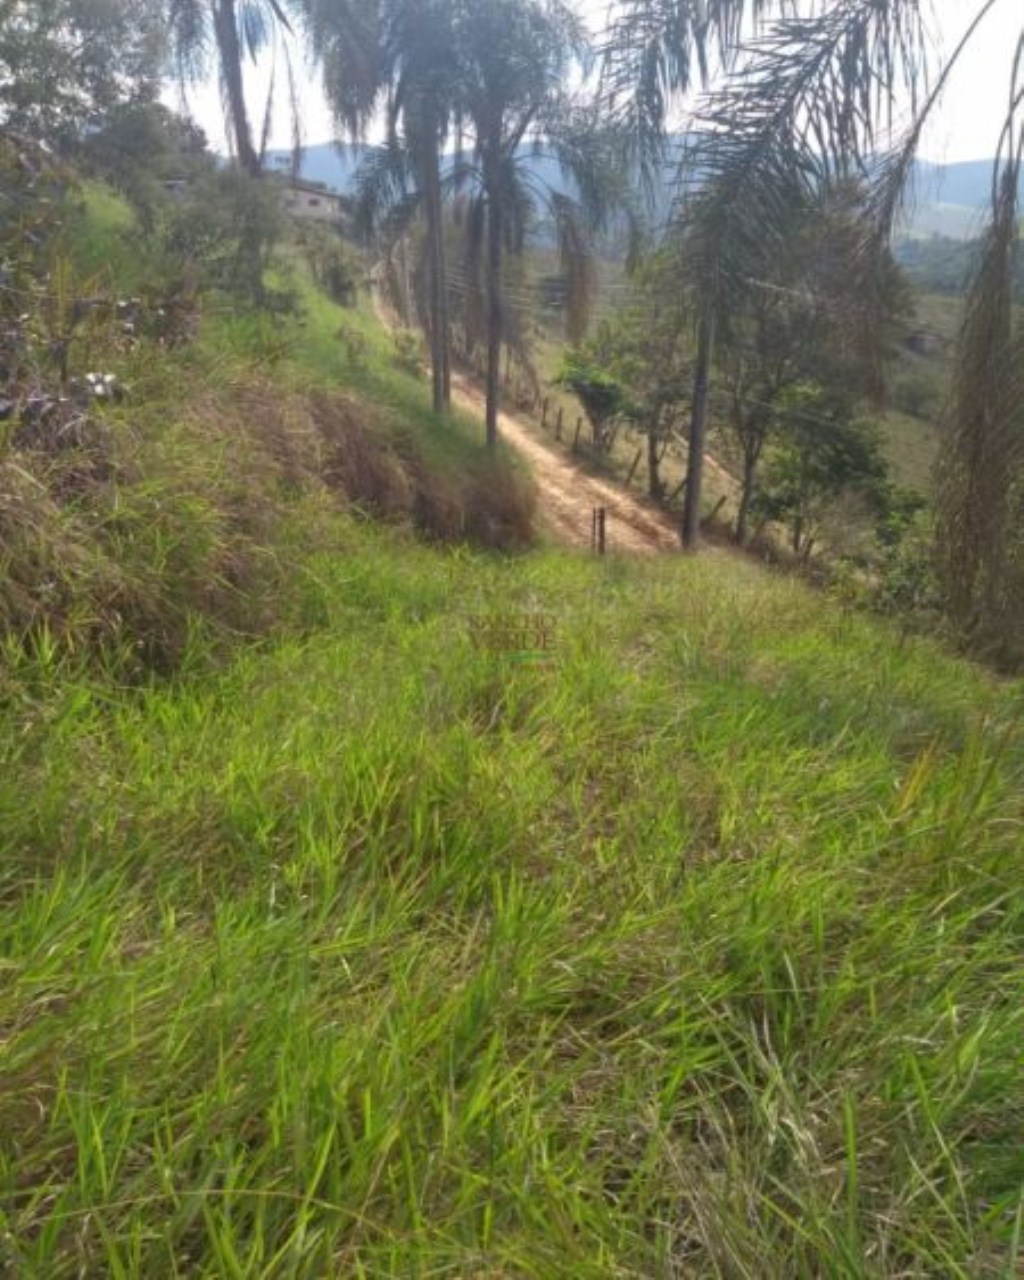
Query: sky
{"x": 966, "y": 126}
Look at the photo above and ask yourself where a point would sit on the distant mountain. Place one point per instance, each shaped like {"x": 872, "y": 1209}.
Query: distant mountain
{"x": 325, "y": 162}
{"x": 947, "y": 200}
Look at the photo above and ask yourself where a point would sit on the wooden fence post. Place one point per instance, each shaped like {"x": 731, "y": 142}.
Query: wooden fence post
{"x": 544, "y": 413}
{"x": 558, "y": 423}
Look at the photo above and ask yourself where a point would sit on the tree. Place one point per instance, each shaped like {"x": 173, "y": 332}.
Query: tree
{"x": 235, "y": 29}
{"x": 813, "y": 101}
{"x": 817, "y": 92}
{"x": 646, "y": 347}
{"x": 654, "y": 52}
{"x": 398, "y": 55}
{"x": 514, "y": 58}
{"x": 66, "y": 63}
{"x": 602, "y": 395}
{"x": 816, "y": 317}
{"x": 138, "y": 147}
{"x": 822, "y": 452}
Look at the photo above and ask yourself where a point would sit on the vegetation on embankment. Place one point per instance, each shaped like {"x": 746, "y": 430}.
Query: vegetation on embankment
{"x": 192, "y": 502}
{"x": 694, "y": 952}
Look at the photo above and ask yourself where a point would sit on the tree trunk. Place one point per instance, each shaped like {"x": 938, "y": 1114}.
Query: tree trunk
{"x": 440, "y": 341}
{"x": 654, "y": 486}
{"x": 494, "y": 312}
{"x": 746, "y": 496}
{"x": 698, "y": 436}
{"x": 229, "y": 51}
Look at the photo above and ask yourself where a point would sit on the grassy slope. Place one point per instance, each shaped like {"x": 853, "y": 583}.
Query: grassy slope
{"x": 695, "y": 952}
{"x": 126, "y": 534}
{"x": 698, "y": 951}
{"x": 909, "y": 443}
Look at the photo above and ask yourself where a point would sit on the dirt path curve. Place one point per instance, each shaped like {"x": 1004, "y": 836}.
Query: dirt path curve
{"x": 568, "y": 494}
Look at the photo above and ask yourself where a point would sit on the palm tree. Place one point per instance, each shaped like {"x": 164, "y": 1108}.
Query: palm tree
{"x": 513, "y": 58}
{"x": 654, "y": 52}
{"x": 235, "y": 29}
{"x": 397, "y": 56}
{"x": 817, "y": 96}
{"x": 815, "y": 99}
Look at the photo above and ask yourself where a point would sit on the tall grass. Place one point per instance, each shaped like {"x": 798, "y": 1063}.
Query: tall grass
{"x": 194, "y": 502}
{"x": 695, "y": 952}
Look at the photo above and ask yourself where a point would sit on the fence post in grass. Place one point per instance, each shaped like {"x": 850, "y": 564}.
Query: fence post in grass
{"x": 544, "y": 413}
{"x": 576, "y": 437}
{"x": 597, "y": 528}
{"x": 632, "y": 470}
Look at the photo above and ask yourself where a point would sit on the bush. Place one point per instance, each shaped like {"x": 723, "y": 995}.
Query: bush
{"x": 917, "y": 394}
{"x": 408, "y": 354}
{"x": 336, "y": 268}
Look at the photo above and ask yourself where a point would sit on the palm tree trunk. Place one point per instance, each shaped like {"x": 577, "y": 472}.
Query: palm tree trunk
{"x": 436, "y": 336}
{"x": 494, "y": 313}
{"x": 229, "y": 50}
{"x": 440, "y": 359}
{"x": 698, "y": 435}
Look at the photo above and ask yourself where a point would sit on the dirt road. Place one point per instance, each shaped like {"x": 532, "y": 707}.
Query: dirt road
{"x": 568, "y": 495}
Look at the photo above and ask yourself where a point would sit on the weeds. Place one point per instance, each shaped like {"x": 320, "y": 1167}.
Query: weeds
{"x": 694, "y": 952}
{"x": 364, "y": 951}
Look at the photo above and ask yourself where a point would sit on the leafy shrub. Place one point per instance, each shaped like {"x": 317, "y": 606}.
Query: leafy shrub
{"x": 335, "y": 267}
{"x": 917, "y": 394}
{"x": 408, "y": 354}
{"x": 603, "y": 397}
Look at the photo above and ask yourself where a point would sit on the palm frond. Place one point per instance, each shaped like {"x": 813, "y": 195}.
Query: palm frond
{"x": 893, "y": 175}
{"x": 576, "y": 255}
{"x": 981, "y": 475}
{"x": 252, "y": 27}
{"x": 190, "y": 39}
{"x": 810, "y": 107}
{"x": 386, "y": 195}
{"x": 591, "y": 155}
{"x": 655, "y": 51}
{"x": 348, "y": 36}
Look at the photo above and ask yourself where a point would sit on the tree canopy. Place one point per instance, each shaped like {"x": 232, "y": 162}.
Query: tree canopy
{"x": 66, "y": 63}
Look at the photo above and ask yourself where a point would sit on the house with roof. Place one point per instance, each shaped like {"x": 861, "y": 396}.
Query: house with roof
{"x": 311, "y": 200}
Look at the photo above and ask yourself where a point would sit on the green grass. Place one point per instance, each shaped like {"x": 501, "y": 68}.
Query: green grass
{"x": 911, "y": 447}
{"x": 188, "y": 506}
{"x": 695, "y": 953}
{"x": 358, "y": 950}
{"x": 104, "y": 250}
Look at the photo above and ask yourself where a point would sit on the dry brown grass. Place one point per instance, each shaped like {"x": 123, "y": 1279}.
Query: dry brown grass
{"x": 129, "y": 534}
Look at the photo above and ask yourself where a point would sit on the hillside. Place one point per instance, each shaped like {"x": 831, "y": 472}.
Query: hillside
{"x": 692, "y": 949}
{"x": 154, "y": 527}
{"x": 947, "y": 199}
{"x": 376, "y": 902}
